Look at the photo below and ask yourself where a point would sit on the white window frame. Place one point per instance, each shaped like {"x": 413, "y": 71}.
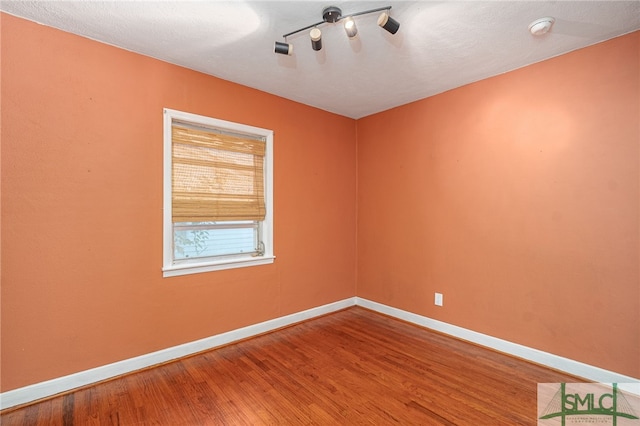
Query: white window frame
{"x": 175, "y": 268}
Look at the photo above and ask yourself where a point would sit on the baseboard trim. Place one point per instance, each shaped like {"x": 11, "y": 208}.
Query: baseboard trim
{"x": 556, "y": 362}
{"x": 53, "y": 387}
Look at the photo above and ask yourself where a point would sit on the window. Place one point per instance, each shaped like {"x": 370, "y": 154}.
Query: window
{"x": 218, "y": 190}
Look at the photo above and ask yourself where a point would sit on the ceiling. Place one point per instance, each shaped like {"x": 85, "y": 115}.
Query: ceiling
{"x": 441, "y": 45}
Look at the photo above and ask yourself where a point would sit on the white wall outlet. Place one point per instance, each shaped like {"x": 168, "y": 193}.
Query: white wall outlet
{"x": 438, "y": 299}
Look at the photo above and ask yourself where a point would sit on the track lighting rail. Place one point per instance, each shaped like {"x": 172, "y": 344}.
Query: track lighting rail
{"x": 340, "y": 18}
{"x": 302, "y": 29}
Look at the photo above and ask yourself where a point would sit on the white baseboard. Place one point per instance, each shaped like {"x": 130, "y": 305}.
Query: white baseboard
{"x": 63, "y": 384}
{"x": 52, "y": 387}
{"x": 566, "y": 365}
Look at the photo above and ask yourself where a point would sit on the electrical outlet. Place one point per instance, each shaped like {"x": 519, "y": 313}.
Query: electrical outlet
{"x": 438, "y": 299}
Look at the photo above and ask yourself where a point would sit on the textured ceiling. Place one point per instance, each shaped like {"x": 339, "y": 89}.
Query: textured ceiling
{"x": 440, "y": 45}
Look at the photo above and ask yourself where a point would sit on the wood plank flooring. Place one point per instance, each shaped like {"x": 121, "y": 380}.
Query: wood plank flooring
{"x": 353, "y": 367}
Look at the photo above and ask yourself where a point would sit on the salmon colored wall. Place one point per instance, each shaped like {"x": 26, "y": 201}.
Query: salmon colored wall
{"x": 81, "y": 189}
{"x": 517, "y": 198}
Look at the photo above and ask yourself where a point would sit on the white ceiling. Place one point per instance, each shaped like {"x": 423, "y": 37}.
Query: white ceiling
{"x": 440, "y": 45}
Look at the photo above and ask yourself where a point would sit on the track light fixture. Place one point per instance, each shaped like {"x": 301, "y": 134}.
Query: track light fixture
{"x": 283, "y": 48}
{"x": 388, "y": 23}
{"x": 316, "y": 39}
{"x": 350, "y": 27}
{"x": 331, "y": 15}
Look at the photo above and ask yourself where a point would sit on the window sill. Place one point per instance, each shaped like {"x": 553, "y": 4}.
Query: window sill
{"x": 196, "y": 268}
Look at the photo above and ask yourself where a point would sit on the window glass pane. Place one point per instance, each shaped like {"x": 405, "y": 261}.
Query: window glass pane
{"x": 193, "y": 240}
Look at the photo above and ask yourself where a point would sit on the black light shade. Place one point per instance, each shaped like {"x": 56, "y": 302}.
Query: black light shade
{"x": 388, "y": 23}
{"x": 316, "y": 39}
{"x": 283, "y": 48}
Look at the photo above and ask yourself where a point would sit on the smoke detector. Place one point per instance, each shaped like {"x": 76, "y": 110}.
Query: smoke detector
{"x": 541, "y": 26}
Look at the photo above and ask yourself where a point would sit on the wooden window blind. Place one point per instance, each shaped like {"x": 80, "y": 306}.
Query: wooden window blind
{"x": 216, "y": 176}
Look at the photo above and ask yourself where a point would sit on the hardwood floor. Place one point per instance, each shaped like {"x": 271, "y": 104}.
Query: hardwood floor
{"x": 353, "y": 367}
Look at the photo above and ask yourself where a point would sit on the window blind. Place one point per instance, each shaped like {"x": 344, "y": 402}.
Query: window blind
{"x": 216, "y": 177}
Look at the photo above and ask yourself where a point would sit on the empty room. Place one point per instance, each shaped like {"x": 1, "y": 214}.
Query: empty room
{"x": 297, "y": 212}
